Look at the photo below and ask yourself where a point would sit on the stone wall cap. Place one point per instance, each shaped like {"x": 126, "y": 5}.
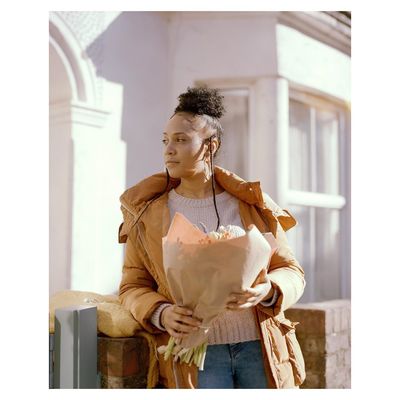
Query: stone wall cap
{"x": 323, "y": 305}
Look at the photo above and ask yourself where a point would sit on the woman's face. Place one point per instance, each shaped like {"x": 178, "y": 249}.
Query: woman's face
{"x": 183, "y": 145}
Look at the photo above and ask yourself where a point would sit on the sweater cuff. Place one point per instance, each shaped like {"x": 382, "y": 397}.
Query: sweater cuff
{"x": 155, "y": 317}
{"x": 269, "y": 303}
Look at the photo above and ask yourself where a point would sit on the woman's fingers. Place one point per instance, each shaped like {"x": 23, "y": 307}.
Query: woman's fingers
{"x": 184, "y": 315}
{"x": 181, "y": 331}
{"x": 182, "y": 310}
{"x": 249, "y": 292}
{"x": 237, "y": 306}
{"x": 180, "y": 323}
{"x": 172, "y": 316}
{"x": 177, "y": 334}
{"x": 185, "y": 325}
{"x": 190, "y": 321}
{"x": 242, "y": 302}
{"x": 183, "y": 328}
{"x": 240, "y": 298}
{"x": 241, "y": 294}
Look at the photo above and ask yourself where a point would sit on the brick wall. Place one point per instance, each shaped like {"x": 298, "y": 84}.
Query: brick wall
{"x": 324, "y": 334}
{"x": 123, "y": 362}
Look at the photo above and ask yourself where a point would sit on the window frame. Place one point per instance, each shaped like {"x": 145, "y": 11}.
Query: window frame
{"x": 311, "y": 199}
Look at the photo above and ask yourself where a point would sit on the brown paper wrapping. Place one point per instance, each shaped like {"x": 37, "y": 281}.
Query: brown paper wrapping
{"x": 202, "y": 276}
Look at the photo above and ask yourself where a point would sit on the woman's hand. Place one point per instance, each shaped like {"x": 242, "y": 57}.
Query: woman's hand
{"x": 178, "y": 322}
{"x": 250, "y": 297}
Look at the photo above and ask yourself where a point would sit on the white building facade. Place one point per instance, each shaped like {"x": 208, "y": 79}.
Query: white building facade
{"x": 114, "y": 81}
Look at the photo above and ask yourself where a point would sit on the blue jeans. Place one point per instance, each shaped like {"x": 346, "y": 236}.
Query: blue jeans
{"x": 229, "y": 366}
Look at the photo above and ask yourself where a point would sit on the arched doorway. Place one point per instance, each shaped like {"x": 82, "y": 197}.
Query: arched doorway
{"x": 84, "y": 189}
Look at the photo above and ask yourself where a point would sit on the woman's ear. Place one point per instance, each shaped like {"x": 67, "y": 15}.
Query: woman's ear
{"x": 214, "y": 145}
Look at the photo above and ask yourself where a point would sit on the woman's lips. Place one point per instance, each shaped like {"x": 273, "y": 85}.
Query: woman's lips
{"x": 171, "y": 163}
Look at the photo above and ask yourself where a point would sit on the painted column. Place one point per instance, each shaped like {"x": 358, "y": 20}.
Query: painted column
{"x": 269, "y": 150}
{"x": 60, "y": 200}
{"x": 99, "y": 180}
{"x": 94, "y": 156}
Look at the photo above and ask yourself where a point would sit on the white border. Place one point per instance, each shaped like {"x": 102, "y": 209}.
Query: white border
{"x": 375, "y": 165}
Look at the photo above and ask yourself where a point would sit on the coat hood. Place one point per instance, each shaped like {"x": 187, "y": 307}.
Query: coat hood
{"x": 136, "y": 199}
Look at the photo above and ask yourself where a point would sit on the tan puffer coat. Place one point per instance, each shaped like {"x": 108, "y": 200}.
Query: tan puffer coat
{"x": 144, "y": 287}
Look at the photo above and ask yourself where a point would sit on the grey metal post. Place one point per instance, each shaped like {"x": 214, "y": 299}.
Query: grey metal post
{"x": 51, "y": 361}
{"x": 75, "y": 347}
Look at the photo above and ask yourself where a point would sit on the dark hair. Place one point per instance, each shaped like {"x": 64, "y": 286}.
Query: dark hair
{"x": 200, "y": 101}
{"x": 205, "y": 103}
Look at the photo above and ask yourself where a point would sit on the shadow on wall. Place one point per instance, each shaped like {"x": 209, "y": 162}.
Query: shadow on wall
{"x": 133, "y": 51}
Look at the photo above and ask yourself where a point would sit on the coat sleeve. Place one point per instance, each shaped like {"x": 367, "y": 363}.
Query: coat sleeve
{"x": 138, "y": 289}
{"x": 285, "y": 272}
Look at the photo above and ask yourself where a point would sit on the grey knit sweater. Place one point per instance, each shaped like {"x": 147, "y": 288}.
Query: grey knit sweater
{"x": 230, "y": 326}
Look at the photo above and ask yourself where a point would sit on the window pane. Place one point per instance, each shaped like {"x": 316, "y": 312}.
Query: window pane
{"x": 233, "y": 152}
{"x": 327, "y": 162}
{"x": 316, "y": 245}
{"x": 299, "y": 239}
{"x": 299, "y": 138}
{"x": 327, "y": 258}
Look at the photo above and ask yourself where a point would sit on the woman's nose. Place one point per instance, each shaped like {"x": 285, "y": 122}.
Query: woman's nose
{"x": 169, "y": 149}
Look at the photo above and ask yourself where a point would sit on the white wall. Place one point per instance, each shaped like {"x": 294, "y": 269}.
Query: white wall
{"x": 308, "y": 62}
{"x": 133, "y": 52}
{"x": 206, "y": 46}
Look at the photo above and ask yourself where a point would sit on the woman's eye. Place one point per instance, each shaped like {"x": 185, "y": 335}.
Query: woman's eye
{"x": 178, "y": 140}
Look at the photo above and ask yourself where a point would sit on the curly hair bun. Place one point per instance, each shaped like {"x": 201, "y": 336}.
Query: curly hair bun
{"x": 201, "y": 100}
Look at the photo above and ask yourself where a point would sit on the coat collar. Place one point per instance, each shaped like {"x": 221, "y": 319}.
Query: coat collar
{"x": 135, "y": 201}
{"x": 136, "y": 197}
{"x": 154, "y": 225}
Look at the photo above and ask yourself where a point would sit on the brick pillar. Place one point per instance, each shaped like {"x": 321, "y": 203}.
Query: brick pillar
{"x": 123, "y": 362}
{"x": 324, "y": 334}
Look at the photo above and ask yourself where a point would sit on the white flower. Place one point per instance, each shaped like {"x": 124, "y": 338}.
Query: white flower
{"x": 232, "y": 230}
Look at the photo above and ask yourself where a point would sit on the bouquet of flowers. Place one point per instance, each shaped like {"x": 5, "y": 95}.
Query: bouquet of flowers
{"x": 202, "y": 270}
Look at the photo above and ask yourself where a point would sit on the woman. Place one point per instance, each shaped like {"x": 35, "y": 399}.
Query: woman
{"x": 251, "y": 344}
